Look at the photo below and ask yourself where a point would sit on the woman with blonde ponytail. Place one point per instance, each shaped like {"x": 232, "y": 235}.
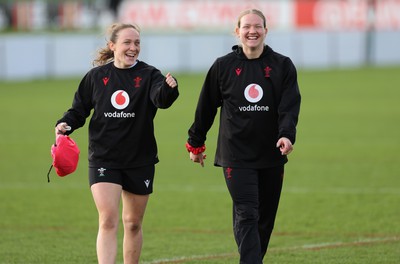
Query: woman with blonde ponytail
{"x": 124, "y": 94}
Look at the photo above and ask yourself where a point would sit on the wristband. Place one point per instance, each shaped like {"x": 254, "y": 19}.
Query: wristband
{"x": 195, "y": 151}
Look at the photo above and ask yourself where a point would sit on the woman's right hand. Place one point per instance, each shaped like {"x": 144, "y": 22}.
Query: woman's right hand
{"x": 199, "y": 158}
{"x": 61, "y": 128}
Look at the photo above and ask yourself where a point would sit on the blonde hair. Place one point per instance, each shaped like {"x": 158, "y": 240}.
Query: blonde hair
{"x": 105, "y": 55}
{"x": 252, "y": 11}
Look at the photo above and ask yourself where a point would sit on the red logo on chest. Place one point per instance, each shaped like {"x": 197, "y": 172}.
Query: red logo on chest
{"x": 267, "y": 72}
{"x": 105, "y": 80}
{"x": 137, "y": 81}
{"x": 238, "y": 71}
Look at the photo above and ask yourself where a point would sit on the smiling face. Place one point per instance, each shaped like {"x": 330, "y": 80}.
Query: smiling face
{"x": 251, "y": 33}
{"x": 126, "y": 48}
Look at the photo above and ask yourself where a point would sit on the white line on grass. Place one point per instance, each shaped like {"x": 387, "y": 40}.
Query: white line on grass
{"x": 287, "y": 189}
{"x": 344, "y": 190}
{"x": 359, "y": 242}
{"x": 318, "y": 246}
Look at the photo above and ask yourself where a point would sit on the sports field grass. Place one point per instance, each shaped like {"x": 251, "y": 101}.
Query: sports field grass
{"x": 340, "y": 201}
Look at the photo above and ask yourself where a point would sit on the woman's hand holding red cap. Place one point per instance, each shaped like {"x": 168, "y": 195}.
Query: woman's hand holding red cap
{"x": 61, "y": 128}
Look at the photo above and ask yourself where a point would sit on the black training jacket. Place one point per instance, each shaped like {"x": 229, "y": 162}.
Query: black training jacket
{"x": 259, "y": 102}
{"x": 124, "y": 104}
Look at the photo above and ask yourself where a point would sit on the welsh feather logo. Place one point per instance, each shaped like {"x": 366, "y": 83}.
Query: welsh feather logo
{"x": 120, "y": 99}
{"x": 253, "y": 93}
{"x": 101, "y": 172}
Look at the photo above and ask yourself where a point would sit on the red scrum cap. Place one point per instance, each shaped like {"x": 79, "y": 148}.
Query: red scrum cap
{"x": 65, "y": 154}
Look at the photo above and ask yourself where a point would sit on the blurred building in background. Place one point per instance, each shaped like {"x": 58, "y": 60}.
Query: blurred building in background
{"x": 200, "y": 15}
{"x": 187, "y": 35}
{"x": 47, "y": 15}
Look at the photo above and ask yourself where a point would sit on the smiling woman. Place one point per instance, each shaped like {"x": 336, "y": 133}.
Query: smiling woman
{"x": 123, "y": 46}
{"x": 251, "y": 30}
{"x": 127, "y": 47}
{"x": 125, "y": 94}
{"x": 257, "y": 91}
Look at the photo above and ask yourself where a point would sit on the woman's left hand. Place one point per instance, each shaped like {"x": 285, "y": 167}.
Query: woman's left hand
{"x": 170, "y": 80}
{"x": 284, "y": 145}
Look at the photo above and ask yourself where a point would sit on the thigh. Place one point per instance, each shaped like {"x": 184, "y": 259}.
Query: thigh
{"x": 270, "y": 186}
{"x": 134, "y": 206}
{"x": 107, "y": 197}
{"x": 271, "y": 180}
{"x": 242, "y": 184}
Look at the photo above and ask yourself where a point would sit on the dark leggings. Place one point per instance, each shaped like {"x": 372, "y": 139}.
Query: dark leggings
{"x": 255, "y": 195}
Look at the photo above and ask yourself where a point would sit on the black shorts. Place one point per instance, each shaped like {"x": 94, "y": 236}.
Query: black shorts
{"x": 134, "y": 180}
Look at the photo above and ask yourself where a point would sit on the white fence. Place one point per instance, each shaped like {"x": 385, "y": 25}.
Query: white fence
{"x": 56, "y": 55}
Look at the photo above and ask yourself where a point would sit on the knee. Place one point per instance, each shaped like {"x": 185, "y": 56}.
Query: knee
{"x": 108, "y": 223}
{"x": 132, "y": 224}
{"x": 246, "y": 214}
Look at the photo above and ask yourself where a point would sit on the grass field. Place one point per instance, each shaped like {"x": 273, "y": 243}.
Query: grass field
{"x": 340, "y": 201}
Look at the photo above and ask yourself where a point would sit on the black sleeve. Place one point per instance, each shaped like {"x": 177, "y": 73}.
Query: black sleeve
{"x": 289, "y": 105}
{"x": 161, "y": 94}
{"x": 81, "y": 105}
{"x": 207, "y": 106}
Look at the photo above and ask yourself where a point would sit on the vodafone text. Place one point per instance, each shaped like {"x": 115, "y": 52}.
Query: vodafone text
{"x": 254, "y": 108}
{"x": 121, "y": 114}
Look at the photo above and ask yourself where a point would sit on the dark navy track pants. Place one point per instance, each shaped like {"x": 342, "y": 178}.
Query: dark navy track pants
{"x": 255, "y": 195}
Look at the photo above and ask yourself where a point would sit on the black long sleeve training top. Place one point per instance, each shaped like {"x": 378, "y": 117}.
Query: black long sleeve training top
{"x": 124, "y": 104}
{"x": 260, "y": 103}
